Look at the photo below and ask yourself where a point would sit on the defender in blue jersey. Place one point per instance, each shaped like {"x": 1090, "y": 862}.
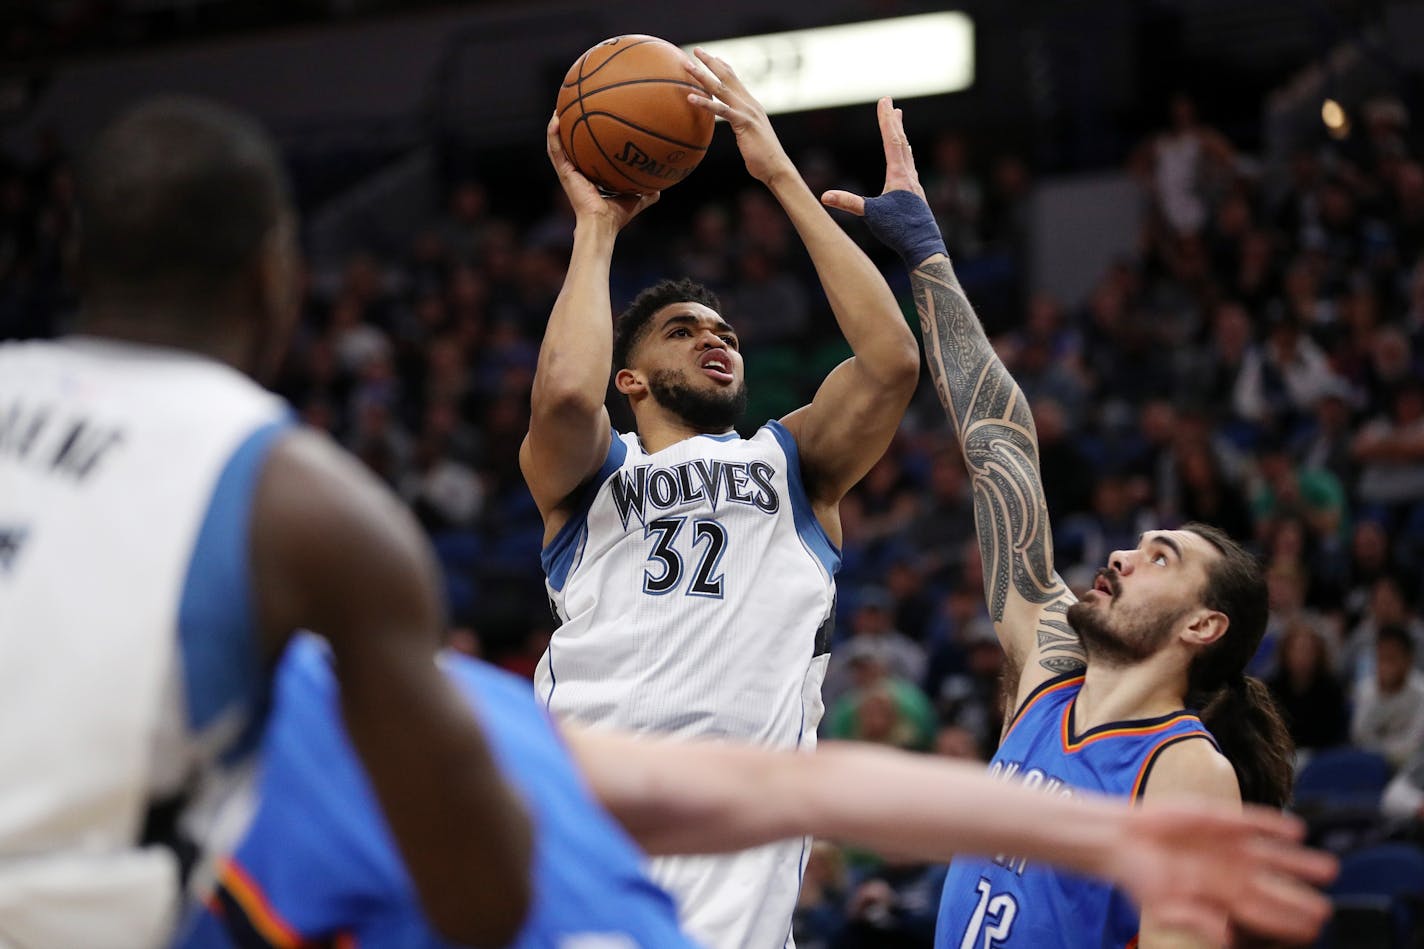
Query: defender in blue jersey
{"x": 1103, "y": 689}
{"x": 318, "y": 867}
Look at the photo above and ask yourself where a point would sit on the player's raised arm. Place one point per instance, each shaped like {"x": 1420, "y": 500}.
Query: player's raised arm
{"x": 335, "y": 553}
{"x": 1193, "y": 865}
{"x": 849, "y": 424}
{"x": 1026, "y": 598}
{"x": 568, "y": 424}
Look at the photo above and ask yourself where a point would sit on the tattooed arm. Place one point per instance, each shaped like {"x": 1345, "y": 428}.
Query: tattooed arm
{"x": 1027, "y": 600}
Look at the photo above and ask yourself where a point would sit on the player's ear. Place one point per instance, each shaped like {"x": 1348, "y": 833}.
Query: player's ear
{"x": 276, "y": 281}
{"x": 630, "y": 382}
{"x": 1206, "y": 626}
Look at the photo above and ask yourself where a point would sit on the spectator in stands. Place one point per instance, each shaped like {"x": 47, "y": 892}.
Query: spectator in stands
{"x": 1391, "y": 453}
{"x": 1369, "y": 562}
{"x": 971, "y": 697}
{"x": 1284, "y": 489}
{"x": 1282, "y": 377}
{"x": 873, "y": 634}
{"x": 1307, "y": 690}
{"x": 954, "y": 194}
{"x": 945, "y": 515}
{"x": 1207, "y": 374}
{"x": 1389, "y": 708}
{"x": 820, "y": 906}
{"x": 1115, "y": 522}
{"x": 1403, "y": 798}
{"x": 1184, "y": 167}
{"x": 880, "y": 707}
{"x": 1324, "y": 441}
{"x": 894, "y": 908}
{"x": 1388, "y": 607}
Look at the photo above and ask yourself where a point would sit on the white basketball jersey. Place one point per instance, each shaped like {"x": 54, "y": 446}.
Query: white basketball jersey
{"x": 129, "y": 666}
{"x": 695, "y": 592}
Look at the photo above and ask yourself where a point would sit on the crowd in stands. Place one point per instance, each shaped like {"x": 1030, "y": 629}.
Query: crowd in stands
{"x": 1258, "y": 365}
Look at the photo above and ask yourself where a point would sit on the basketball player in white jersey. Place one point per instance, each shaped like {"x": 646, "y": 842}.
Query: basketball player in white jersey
{"x": 693, "y": 570}
{"x": 163, "y": 528}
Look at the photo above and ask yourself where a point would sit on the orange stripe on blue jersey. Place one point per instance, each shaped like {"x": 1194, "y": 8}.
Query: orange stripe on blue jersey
{"x": 249, "y": 899}
{"x": 1071, "y": 745}
{"x": 1047, "y": 688}
{"x": 1139, "y": 785}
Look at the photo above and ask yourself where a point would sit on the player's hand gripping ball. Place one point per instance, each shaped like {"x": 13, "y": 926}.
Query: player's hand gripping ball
{"x": 624, "y": 118}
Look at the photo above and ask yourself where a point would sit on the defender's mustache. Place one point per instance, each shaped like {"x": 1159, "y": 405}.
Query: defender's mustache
{"x": 1109, "y": 576}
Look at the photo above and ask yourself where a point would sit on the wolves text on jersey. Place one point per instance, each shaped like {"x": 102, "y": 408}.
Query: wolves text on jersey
{"x": 1032, "y": 778}
{"x": 737, "y": 482}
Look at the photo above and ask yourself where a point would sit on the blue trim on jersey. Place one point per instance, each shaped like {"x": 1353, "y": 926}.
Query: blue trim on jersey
{"x": 558, "y": 556}
{"x": 217, "y": 629}
{"x": 812, "y": 534}
{"x": 724, "y": 437}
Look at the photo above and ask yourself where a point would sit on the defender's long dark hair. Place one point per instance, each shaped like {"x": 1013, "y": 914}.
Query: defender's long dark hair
{"x": 1236, "y": 708}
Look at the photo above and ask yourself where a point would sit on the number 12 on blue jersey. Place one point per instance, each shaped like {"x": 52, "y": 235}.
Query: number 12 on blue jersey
{"x": 993, "y": 918}
{"x": 665, "y": 570}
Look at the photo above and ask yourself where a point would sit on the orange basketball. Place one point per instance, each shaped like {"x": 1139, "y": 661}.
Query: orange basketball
{"x": 624, "y": 118}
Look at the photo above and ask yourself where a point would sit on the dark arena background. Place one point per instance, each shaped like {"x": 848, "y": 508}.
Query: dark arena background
{"x": 1194, "y": 230}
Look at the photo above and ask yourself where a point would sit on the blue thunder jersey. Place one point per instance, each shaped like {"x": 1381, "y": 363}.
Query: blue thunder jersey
{"x": 319, "y": 867}
{"x": 1010, "y": 902}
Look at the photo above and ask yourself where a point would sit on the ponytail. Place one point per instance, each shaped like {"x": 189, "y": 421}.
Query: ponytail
{"x": 1236, "y": 708}
{"x": 1243, "y": 718}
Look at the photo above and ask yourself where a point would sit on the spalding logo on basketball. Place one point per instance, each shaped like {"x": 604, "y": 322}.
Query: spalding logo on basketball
{"x": 624, "y": 118}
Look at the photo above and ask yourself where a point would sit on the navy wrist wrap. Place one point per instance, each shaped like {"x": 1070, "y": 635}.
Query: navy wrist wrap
{"x": 903, "y": 222}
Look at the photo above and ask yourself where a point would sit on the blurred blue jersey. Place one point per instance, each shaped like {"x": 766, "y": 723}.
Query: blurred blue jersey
{"x": 1010, "y": 902}
{"x": 319, "y": 866}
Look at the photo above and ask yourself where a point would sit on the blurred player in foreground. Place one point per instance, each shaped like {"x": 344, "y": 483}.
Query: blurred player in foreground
{"x": 1104, "y": 691}
{"x": 318, "y": 866}
{"x": 693, "y": 571}
{"x": 166, "y": 526}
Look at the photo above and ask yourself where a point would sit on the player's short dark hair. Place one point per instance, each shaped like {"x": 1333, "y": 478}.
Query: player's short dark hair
{"x": 632, "y": 324}
{"x": 176, "y": 197}
{"x": 1398, "y": 635}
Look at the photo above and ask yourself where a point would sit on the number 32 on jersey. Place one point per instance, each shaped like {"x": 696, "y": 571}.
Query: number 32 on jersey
{"x": 664, "y": 573}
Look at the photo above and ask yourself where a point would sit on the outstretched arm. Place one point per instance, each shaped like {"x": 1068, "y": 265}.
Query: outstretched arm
{"x": 334, "y": 552}
{"x": 568, "y": 422}
{"x": 857, "y": 409}
{"x": 1191, "y": 864}
{"x": 1027, "y": 600}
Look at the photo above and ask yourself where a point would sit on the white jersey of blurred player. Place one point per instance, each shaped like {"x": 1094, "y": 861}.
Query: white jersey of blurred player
{"x": 695, "y": 591}
{"x": 130, "y": 671}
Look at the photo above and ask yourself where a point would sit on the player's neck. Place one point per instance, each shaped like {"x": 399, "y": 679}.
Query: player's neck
{"x": 149, "y": 326}
{"x": 659, "y": 429}
{"x": 1116, "y": 693}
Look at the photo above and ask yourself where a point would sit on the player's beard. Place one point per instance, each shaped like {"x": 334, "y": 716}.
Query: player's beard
{"x": 713, "y": 412}
{"x": 1123, "y": 637}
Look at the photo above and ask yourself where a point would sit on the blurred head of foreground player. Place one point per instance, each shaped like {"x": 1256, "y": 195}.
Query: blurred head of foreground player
{"x": 188, "y": 235}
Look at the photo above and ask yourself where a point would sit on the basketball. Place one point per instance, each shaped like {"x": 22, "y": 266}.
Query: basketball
{"x": 624, "y": 118}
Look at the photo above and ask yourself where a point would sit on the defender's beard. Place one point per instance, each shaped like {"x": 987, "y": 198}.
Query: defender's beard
{"x": 712, "y": 412}
{"x": 1121, "y": 640}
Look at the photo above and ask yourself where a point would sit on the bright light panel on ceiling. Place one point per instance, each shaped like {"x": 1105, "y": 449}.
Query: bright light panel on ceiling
{"x": 857, "y": 62}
